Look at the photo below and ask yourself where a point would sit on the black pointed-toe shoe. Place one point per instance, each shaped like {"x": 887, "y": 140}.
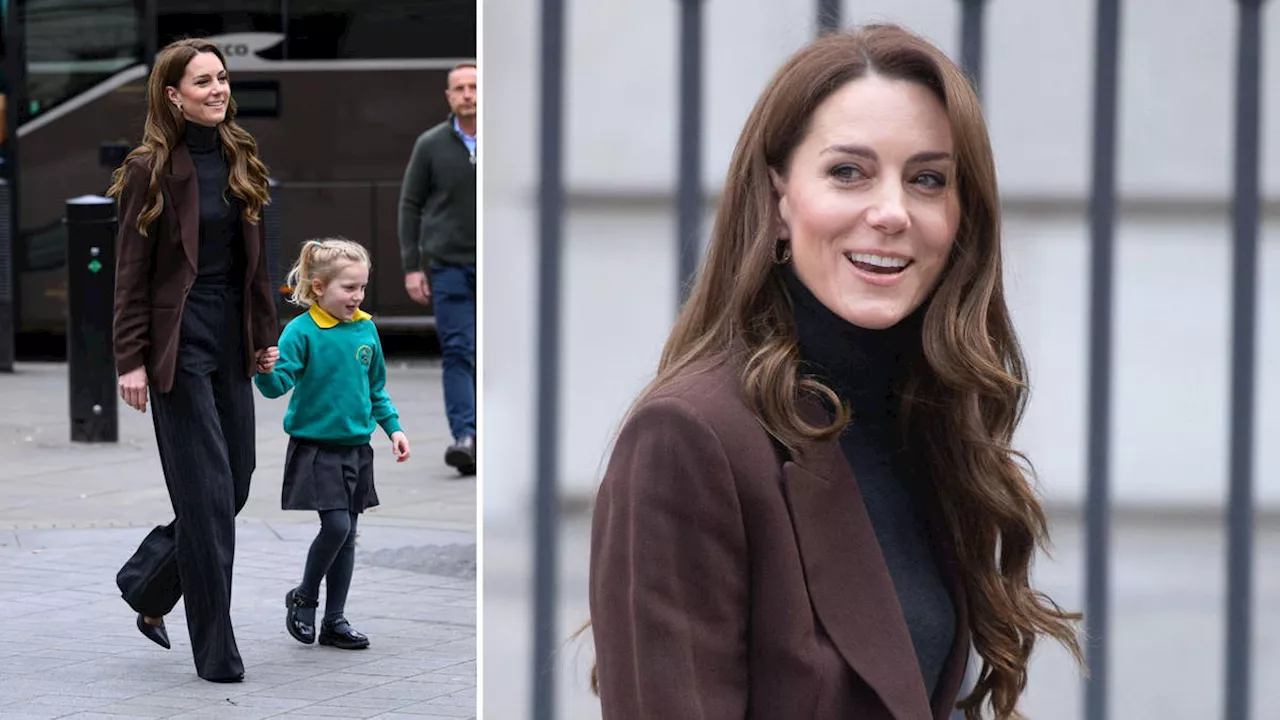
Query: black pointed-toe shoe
{"x": 301, "y": 630}
{"x": 339, "y": 633}
{"x": 155, "y": 633}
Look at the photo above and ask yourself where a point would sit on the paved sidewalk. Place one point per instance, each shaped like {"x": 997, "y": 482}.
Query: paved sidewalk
{"x": 71, "y": 513}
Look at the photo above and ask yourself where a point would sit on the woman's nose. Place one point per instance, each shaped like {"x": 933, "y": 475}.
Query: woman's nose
{"x": 888, "y": 214}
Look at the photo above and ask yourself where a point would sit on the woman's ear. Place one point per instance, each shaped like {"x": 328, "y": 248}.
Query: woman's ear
{"x": 779, "y": 185}
{"x": 784, "y": 211}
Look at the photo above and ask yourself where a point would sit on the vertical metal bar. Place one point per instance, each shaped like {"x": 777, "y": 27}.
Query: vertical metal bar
{"x": 15, "y": 67}
{"x": 971, "y": 40}
{"x": 8, "y": 288}
{"x": 828, "y": 16}
{"x": 284, "y": 28}
{"x": 688, "y": 223}
{"x": 150, "y": 31}
{"x": 550, "y": 225}
{"x": 1243, "y": 320}
{"x": 1102, "y": 227}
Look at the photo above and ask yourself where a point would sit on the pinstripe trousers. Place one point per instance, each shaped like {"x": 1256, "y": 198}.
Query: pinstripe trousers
{"x": 205, "y": 432}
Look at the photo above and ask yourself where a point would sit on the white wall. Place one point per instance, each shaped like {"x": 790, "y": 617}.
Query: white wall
{"x": 1172, "y": 311}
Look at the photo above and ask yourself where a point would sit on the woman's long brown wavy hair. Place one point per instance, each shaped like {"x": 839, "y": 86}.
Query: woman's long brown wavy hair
{"x": 967, "y": 388}
{"x": 163, "y": 130}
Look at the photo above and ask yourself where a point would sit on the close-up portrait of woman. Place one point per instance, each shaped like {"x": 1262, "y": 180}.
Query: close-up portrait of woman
{"x": 815, "y": 508}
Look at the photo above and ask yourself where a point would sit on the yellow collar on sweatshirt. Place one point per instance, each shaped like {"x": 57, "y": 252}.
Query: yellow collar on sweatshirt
{"x": 326, "y": 321}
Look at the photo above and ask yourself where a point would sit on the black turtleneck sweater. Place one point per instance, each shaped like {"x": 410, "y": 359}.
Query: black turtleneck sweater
{"x": 861, "y": 366}
{"x": 221, "y": 239}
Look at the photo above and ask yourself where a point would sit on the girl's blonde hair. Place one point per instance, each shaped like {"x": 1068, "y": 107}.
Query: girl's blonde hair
{"x": 322, "y": 260}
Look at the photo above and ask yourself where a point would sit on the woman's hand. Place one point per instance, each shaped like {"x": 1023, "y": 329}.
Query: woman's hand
{"x": 133, "y": 389}
{"x": 400, "y": 445}
{"x": 267, "y": 359}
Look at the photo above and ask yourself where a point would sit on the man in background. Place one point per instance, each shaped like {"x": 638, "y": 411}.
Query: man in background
{"x": 438, "y": 247}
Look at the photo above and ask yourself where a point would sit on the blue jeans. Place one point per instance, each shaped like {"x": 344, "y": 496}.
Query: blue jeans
{"x": 453, "y": 294}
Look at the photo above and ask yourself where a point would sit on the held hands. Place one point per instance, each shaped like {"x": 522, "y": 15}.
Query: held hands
{"x": 267, "y": 359}
{"x": 133, "y": 389}
{"x": 400, "y": 445}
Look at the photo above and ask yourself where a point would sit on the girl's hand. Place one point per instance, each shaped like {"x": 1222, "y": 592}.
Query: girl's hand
{"x": 400, "y": 445}
{"x": 133, "y": 389}
{"x": 267, "y": 359}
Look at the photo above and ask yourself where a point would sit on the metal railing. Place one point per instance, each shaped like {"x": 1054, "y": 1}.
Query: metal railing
{"x": 550, "y": 229}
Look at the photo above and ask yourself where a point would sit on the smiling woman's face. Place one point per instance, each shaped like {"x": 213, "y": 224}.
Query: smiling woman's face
{"x": 868, "y": 201}
{"x": 204, "y": 92}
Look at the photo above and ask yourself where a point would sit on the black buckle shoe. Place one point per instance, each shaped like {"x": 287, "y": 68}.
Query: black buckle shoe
{"x": 339, "y": 633}
{"x": 302, "y": 631}
{"x": 155, "y": 633}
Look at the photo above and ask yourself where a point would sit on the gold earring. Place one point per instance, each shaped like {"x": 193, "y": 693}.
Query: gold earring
{"x": 781, "y": 251}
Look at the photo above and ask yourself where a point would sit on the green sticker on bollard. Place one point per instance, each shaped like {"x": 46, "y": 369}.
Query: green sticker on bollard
{"x": 94, "y": 265}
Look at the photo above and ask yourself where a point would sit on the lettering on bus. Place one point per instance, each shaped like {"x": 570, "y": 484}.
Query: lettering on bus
{"x": 236, "y": 50}
{"x": 241, "y": 49}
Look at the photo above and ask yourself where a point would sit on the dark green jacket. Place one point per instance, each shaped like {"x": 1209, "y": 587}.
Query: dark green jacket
{"x": 438, "y": 201}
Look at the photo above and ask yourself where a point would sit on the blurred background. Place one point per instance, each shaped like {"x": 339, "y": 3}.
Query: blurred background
{"x": 1171, "y": 310}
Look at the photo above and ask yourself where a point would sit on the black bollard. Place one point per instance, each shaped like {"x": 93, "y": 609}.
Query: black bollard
{"x": 91, "y": 365}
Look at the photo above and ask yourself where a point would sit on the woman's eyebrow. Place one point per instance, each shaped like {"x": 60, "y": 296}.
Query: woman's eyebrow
{"x": 866, "y": 152}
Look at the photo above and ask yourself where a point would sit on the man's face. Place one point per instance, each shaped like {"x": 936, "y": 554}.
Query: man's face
{"x": 461, "y": 92}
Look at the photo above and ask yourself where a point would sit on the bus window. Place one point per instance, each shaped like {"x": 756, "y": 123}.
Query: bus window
{"x": 205, "y": 18}
{"x": 73, "y": 45}
{"x": 359, "y": 29}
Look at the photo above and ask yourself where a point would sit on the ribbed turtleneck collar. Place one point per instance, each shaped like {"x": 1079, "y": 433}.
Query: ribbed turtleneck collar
{"x": 860, "y": 365}
{"x": 201, "y": 138}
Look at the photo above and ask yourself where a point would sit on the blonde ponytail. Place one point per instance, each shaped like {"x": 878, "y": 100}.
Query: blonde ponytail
{"x": 321, "y": 260}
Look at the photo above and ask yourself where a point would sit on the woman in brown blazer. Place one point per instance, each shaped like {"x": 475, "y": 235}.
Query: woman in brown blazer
{"x": 194, "y": 320}
{"x": 814, "y": 510}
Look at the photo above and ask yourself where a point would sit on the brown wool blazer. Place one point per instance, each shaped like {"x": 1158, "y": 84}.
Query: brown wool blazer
{"x": 729, "y": 583}
{"x": 155, "y": 273}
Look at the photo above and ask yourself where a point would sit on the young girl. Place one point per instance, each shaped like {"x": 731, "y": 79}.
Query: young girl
{"x": 332, "y": 359}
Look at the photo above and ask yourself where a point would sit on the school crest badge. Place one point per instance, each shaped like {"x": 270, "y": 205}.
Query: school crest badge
{"x": 364, "y": 354}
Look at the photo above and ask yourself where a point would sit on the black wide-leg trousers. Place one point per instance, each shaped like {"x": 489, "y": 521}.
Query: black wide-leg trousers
{"x": 205, "y": 432}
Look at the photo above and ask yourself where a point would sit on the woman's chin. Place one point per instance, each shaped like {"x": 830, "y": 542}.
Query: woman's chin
{"x": 873, "y": 316}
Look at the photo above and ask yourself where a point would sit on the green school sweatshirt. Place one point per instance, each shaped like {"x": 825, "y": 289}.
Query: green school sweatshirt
{"x": 338, "y": 377}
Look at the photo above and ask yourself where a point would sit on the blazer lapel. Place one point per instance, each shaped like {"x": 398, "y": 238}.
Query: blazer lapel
{"x": 183, "y": 194}
{"x": 252, "y": 243}
{"x": 849, "y": 583}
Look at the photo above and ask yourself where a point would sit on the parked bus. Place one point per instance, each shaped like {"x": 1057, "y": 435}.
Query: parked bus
{"x": 335, "y": 91}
